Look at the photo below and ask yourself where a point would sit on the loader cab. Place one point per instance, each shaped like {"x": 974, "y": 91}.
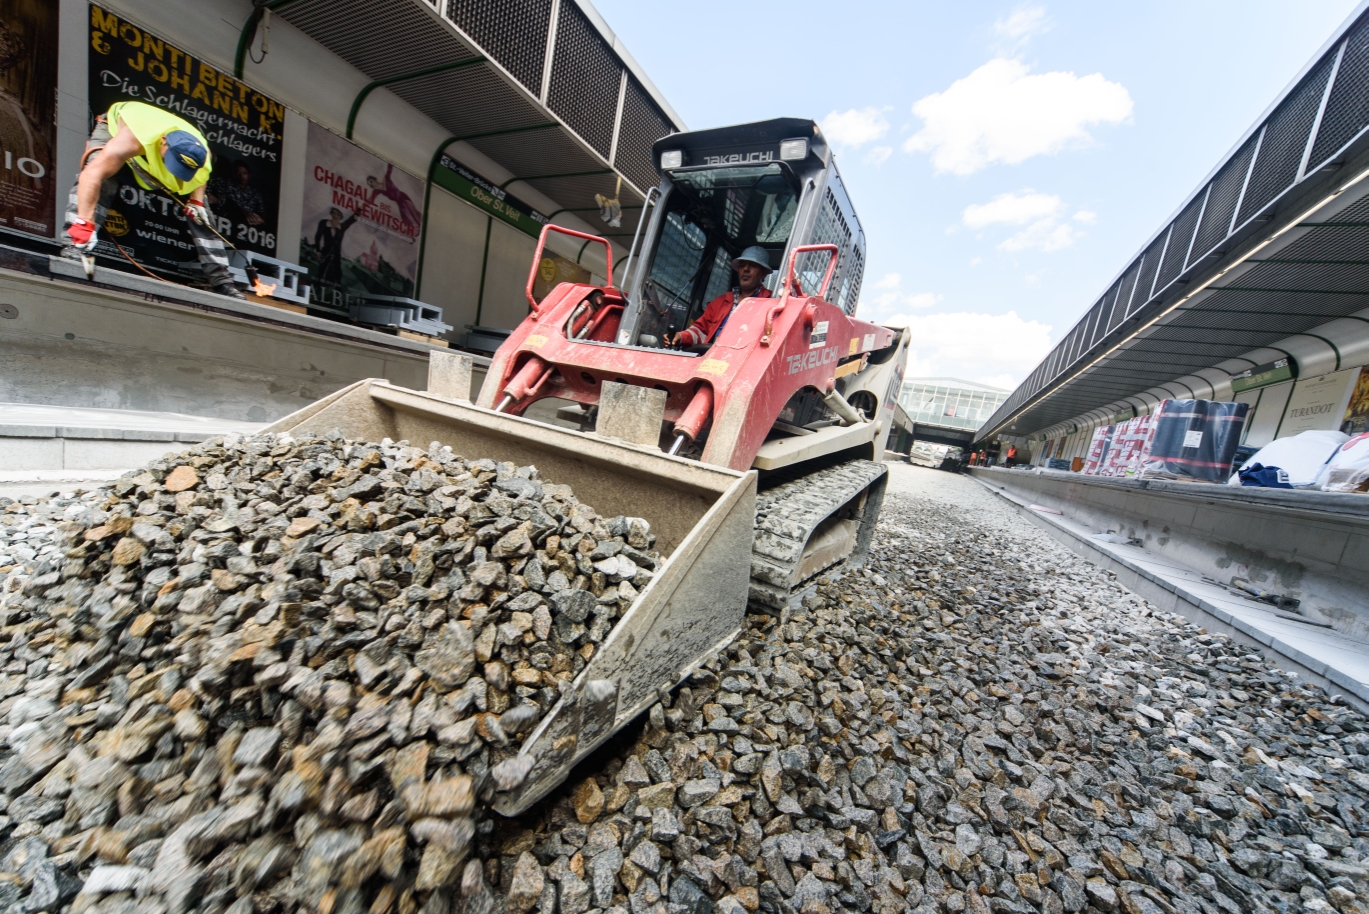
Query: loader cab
{"x": 772, "y": 184}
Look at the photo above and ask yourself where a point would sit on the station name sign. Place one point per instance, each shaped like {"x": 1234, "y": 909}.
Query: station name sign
{"x": 1264, "y": 375}
{"x": 485, "y": 195}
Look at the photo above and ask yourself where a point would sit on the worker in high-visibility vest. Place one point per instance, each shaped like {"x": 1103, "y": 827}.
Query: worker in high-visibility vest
{"x": 165, "y": 153}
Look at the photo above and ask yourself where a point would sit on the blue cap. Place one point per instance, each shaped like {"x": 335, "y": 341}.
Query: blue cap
{"x": 185, "y": 154}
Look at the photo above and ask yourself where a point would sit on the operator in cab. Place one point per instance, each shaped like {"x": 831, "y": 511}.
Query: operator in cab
{"x": 164, "y": 152}
{"x": 752, "y": 266}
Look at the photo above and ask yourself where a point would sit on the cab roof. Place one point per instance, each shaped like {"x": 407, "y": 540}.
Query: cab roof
{"x": 743, "y": 144}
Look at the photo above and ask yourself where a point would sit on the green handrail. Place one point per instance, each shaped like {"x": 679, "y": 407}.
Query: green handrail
{"x": 402, "y": 77}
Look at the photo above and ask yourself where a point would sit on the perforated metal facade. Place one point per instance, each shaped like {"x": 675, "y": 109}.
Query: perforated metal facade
{"x": 571, "y": 97}
{"x": 642, "y": 124}
{"x": 513, "y": 32}
{"x": 1236, "y": 268}
{"x": 585, "y": 77}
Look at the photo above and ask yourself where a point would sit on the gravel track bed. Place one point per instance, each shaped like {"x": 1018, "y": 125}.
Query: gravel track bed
{"x": 978, "y": 721}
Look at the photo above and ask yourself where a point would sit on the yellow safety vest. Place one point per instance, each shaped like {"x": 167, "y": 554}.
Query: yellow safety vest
{"x": 149, "y": 124}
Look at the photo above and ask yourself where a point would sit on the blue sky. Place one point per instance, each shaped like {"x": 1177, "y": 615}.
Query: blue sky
{"x": 1006, "y": 159}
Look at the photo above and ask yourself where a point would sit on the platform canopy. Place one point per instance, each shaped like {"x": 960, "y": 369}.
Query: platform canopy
{"x": 542, "y": 87}
{"x": 1272, "y": 245}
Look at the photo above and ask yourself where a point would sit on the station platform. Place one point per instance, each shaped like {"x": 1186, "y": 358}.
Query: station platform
{"x": 55, "y": 448}
{"x": 1179, "y": 545}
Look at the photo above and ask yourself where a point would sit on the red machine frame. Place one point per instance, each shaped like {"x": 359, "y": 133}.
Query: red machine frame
{"x": 768, "y": 350}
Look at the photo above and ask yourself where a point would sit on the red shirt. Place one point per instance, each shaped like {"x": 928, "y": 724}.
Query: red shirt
{"x": 702, "y": 330}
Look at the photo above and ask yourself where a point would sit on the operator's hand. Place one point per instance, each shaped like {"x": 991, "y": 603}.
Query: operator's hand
{"x": 196, "y": 212}
{"x": 82, "y": 233}
{"x": 668, "y": 339}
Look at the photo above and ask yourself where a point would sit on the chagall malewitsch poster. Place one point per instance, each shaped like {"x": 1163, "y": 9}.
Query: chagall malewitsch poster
{"x": 361, "y": 224}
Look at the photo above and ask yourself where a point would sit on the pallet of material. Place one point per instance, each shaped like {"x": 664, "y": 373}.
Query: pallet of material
{"x": 407, "y": 334}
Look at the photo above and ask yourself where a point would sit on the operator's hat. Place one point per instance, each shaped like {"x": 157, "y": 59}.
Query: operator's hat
{"x": 185, "y": 154}
{"x": 754, "y": 254}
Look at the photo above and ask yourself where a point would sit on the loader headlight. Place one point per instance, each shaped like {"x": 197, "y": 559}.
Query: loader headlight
{"x": 672, "y": 158}
{"x": 793, "y": 150}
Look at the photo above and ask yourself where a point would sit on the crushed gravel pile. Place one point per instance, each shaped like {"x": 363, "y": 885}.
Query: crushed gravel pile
{"x": 977, "y": 721}
{"x": 272, "y": 674}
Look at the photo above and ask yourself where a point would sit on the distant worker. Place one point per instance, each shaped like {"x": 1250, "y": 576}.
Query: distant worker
{"x": 165, "y": 153}
{"x": 1012, "y": 456}
{"x": 752, "y": 266}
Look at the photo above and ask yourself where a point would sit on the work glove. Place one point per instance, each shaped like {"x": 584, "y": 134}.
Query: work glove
{"x": 82, "y": 234}
{"x": 197, "y": 213}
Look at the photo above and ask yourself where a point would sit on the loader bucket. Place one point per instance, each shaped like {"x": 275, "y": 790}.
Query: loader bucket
{"x": 693, "y": 607}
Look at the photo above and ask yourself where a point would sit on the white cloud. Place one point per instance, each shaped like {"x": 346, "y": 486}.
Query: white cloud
{"x": 889, "y": 298}
{"x": 1013, "y": 209}
{"x": 1086, "y": 216}
{"x": 1044, "y": 235}
{"x": 855, "y": 127}
{"x": 976, "y": 261}
{"x": 1022, "y": 23}
{"x": 998, "y": 348}
{"x": 921, "y": 299}
{"x": 1042, "y": 214}
{"x": 878, "y": 154}
{"x": 1003, "y": 113}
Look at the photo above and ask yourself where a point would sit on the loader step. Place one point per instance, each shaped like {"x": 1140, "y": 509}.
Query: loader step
{"x": 807, "y": 525}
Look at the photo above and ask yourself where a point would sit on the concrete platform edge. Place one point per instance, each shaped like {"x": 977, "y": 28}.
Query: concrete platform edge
{"x": 1171, "y": 597}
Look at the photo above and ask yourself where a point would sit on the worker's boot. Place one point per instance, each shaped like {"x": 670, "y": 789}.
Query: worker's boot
{"x": 229, "y": 290}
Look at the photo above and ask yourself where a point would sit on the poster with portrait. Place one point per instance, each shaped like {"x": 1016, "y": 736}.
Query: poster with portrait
{"x": 362, "y": 219}
{"x": 1356, "y": 419}
{"x": 28, "y": 116}
{"x": 554, "y": 270}
{"x": 243, "y": 127}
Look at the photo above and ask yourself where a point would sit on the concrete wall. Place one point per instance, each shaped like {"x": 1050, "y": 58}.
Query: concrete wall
{"x": 1310, "y": 545}
{"x": 505, "y": 303}
{"x": 451, "y": 260}
{"x": 81, "y": 346}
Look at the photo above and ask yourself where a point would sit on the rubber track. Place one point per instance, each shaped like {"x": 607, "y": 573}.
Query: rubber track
{"x": 786, "y": 517}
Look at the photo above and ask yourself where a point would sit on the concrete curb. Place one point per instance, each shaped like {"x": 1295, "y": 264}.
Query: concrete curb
{"x": 103, "y": 434}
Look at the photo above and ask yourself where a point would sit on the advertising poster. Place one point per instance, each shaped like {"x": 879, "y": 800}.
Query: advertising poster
{"x": 28, "y": 115}
{"x": 1356, "y": 419}
{"x": 554, "y": 270}
{"x": 1317, "y": 403}
{"x": 361, "y": 222}
{"x": 244, "y": 129}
